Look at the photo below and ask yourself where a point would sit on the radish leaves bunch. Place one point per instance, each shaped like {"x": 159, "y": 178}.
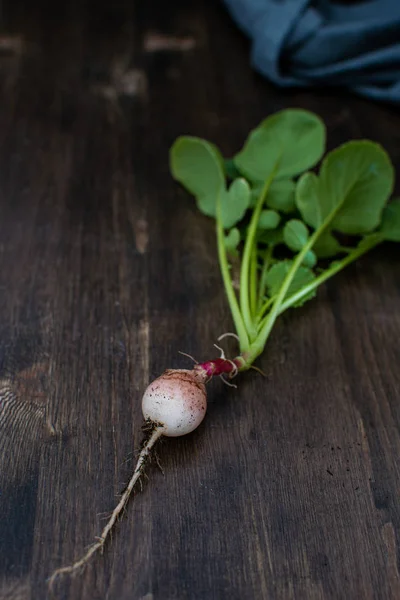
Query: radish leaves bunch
{"x": 291, "y": 228}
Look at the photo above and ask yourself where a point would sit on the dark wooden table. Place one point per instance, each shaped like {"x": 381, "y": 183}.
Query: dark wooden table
{"x": 291, "y": 487}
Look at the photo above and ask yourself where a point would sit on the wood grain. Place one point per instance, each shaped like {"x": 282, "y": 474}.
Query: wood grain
{"x": 291, "y": 488}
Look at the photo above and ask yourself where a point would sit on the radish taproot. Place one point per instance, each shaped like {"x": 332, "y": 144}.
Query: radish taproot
{"x": 284, "y": 225}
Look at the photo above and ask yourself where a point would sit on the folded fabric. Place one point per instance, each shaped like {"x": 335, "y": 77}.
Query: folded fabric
{"x": 319, "y": 42}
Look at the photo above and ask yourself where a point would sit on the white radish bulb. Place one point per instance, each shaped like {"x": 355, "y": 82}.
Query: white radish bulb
{"x": 176, "y": 401}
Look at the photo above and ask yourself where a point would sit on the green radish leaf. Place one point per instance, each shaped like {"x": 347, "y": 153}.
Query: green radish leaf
{"x": 281, "y": 196}
{"x": 353, "y": 186}
{"x": 277, "y": 274}
{"x": 232, "y": 240}
{"x": 269, "y": 219}
{"x": 230, "y": 169}
{"x": 295, "y": 234}
{"x": 290, "y": 141}
{"x": 310, "y": 259}
{"x": 390, "y": 228}
{"x": 234, "y": 203}
{"x": 334, "y": 263}
{"x": 199, "y": 167}
{"x": 270, "y": 237}
{"x": 326, "y": 245}
{"x": 308, "y": 200}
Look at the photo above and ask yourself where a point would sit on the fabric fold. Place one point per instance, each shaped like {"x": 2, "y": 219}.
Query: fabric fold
{"x": 305, "y": 43}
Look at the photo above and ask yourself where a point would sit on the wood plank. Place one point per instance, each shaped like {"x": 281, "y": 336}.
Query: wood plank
{"x": 291, "y": 487}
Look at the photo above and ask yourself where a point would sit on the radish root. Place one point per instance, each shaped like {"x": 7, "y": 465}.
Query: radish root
{"x": 98, "y": 545}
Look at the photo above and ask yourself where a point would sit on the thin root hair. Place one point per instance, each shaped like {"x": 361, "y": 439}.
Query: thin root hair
{"x": 130, "y": 456}
{"x": 221, "y": 350}
{"x": 104, "y": 515}
{"x": 228, "y": 382}
{"x": 228, "y": 334}
{"x": 158, "y": 463}
{"x": 235, "y": 370}
{"x": 196, "y": 362}
{"x": 258, "y": 370}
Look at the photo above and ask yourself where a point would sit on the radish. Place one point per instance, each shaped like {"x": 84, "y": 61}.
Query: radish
{"x": 284, "y": 225}
{"x": 176, "y": 401}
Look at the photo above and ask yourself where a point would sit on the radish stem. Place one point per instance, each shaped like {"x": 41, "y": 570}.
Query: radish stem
{"x": 274, "y": 312}
{"x": 253, "y": 282}
{"x": 247, "y": 254}
{"x": 230, "y": 292}
{"x": 265, "y": 267}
